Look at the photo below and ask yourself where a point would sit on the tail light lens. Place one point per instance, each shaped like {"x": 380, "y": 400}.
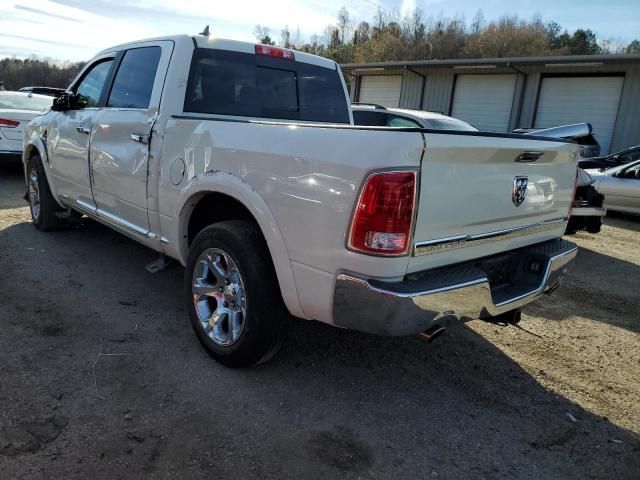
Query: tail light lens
{"x": 573, "y": 197}
{"x": 5, "y": 122}
{"x": 270, "y": 51}
{"x": 384, "y": 214}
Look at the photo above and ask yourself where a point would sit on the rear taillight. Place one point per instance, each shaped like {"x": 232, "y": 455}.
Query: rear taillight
{"x": 575, "y": 189}
{"x": 270, "y": 51}
{"x": 384, "y": 214}
{"x": 5, "y": 122}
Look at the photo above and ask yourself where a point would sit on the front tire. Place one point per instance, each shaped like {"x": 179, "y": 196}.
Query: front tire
{"x": 43, "y": 206}
{"x": 232, "y": 295}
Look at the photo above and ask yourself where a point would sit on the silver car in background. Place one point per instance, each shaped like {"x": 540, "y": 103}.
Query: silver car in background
{"x": 620, "y": 187}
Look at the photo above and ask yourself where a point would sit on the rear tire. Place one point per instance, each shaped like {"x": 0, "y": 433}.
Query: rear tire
{"x": 232, "y": 295}
{"x": 44, "y": 208}
{"x": 594, "y": 224}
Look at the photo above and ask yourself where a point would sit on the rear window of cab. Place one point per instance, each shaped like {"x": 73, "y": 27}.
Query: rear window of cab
{"x": 243, "y": 84}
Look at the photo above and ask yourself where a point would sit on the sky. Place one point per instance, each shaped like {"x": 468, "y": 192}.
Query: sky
{"x": 77, "y": 29}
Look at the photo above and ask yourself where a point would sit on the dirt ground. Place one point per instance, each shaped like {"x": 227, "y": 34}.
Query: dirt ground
{"x": 558, "y": 397}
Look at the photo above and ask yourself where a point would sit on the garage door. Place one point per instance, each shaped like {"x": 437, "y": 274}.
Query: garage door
{"x": 484, "y": 101}
{"x": 566, "y": 100}
{"x": 383, "y": 90}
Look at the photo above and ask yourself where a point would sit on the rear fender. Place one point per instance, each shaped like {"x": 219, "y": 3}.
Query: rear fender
{"x": 235, "y": 187}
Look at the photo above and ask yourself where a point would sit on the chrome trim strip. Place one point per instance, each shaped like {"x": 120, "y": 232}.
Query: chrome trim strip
{"x": 165, "y": 241}
{"x": 118, "y": 222}
{"x": 382, "y": 291}
{"x": 87, "y": 206}
{"x": 122, "y": 223}
{"x": 461, "y": 241}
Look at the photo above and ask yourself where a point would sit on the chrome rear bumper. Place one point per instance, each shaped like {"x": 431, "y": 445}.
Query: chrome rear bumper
{"x": 482, "y": 288}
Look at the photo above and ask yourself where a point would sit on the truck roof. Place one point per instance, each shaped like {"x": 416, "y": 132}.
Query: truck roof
{"x": 202, "y": 41}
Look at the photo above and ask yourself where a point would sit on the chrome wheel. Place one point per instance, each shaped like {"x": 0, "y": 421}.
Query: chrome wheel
{"x": 34, "y": 193}
{"x": 219, "y": 297}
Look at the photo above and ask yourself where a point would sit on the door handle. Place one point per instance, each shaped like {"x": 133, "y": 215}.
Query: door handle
{"x": 84, "y": 130}
{"x": 139, "y": 137}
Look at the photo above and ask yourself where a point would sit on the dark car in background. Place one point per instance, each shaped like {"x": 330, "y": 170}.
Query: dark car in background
{"x": 50, "y": 91}
{"x": 581, "y": 133}
{"x": 612, "y": 160}
{"x": 586, "y": 210}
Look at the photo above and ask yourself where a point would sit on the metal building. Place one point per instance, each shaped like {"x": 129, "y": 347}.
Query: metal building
{"x": 502, "y": 94}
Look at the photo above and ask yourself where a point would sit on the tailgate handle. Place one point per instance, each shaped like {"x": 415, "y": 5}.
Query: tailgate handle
{"x": 525, "y": 157}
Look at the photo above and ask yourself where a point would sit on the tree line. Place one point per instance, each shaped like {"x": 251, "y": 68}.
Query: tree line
{"x": 391, "y": 36}
{"x": 16, "y": 73}
{"x": 387, "y": 36}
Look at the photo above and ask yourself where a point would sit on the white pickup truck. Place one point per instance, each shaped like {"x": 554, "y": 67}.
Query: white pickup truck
{"x": 242, "y": 162}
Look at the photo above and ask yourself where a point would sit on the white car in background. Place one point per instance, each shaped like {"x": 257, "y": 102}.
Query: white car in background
{"x": 16, "y": 110}
{"x": 373, "y": 115}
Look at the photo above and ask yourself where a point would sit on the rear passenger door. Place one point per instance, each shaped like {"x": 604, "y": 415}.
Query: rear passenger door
{"x": 120, "y": 141}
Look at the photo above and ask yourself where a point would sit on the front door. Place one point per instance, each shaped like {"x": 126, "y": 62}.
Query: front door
{"x": 120, "y": 142}
{"x": 70, "y": 133}
{"x": 621, "y": 191}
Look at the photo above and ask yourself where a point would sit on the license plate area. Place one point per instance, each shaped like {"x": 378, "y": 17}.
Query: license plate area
{"x": 513, "y": 274}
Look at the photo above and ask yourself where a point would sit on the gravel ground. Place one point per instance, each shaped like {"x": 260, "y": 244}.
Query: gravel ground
{"x": 556, "y": 398}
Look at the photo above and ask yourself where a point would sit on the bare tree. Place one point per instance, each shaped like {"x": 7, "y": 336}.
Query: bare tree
{"x": 262, "y": 35}
{"x": 285, "y": 37}
{"x": 297, "y": 40}
{"x": 344, "y": 25}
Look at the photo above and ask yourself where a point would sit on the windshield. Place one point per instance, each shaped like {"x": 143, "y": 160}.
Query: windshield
{"x": 450, "y": 124}
{"x": 24, "y": 102}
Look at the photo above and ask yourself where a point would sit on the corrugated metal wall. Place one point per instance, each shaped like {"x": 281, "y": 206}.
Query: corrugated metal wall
{"x": 439, "y": 87}
{"x": 412, "y": 85}
{"x": 437, "y": 95}
{"x": 627, "y": 129}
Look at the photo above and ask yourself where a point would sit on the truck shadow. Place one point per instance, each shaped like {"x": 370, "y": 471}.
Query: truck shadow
{"x": 11, "y": 186}
{"x": 623, "y": 220}
{"x": 599, "y": 287}
{"x": 334, "y": 404}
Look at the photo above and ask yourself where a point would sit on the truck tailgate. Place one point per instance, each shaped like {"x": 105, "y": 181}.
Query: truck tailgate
{"x": 478, "y": 197}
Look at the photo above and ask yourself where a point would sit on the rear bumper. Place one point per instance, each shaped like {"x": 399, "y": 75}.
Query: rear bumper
{"x": 482, "y": 288}
{"x": 587, "y": 212}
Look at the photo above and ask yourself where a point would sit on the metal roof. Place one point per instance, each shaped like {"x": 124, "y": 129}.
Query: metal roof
{"x": 506, "y": 61}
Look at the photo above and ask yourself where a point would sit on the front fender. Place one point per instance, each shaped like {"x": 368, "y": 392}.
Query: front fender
{"x": 34, "y": 143}
{"x": 235, "y": 187}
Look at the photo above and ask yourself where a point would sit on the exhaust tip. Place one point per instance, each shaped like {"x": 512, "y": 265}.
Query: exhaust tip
{"x": 430, "y": 334}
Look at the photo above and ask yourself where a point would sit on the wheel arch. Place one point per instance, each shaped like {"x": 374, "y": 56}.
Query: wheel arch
{"x": 34, "y": 145}
{"x": 244, "y": 203}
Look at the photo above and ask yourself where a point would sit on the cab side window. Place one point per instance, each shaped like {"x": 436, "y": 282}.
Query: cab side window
{"x": 90, "y": 88}
{"x": 133, "y": 83}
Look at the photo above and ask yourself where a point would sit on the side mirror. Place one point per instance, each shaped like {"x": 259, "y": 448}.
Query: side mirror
{"x": 67, "y": 101}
